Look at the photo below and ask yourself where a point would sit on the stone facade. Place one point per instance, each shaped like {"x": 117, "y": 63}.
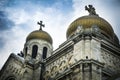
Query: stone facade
{"x": 87, "y": 54}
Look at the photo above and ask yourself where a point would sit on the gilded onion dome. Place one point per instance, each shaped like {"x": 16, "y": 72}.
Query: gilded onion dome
{"x": 39, "y": 34}
{"x": 90, "y": 20}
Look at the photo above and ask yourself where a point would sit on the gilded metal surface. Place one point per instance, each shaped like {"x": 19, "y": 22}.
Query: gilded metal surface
{"x": 39, "y": 34}
{"x": 87, "y": 22}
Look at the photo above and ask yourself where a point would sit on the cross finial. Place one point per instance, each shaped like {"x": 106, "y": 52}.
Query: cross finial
{"x": 91, "y": 10}
{"x": 41, "y": 25}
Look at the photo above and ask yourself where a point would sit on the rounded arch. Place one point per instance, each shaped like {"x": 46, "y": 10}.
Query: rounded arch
{"x": 26, "y": 50}
{"x": 44, "y": 54}
{"x": 34, "y": 51}
{"x": 54, "y": 68}
{"x": 63, "y": 63}
{"x": 11, "y": 78}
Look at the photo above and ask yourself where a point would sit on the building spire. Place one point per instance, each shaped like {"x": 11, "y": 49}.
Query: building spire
{"x": 41, "y": 25}
{"x": 91, "y": 10}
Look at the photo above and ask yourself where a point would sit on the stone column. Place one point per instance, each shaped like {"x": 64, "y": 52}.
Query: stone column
{"x": 90, "y": 70}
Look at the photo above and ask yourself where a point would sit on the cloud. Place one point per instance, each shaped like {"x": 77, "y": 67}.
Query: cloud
{"x": 21, "y": 17}
{"x": 107, "y": 9}
{"x": 25, "y": 21}
{"x": 2, "y": 42}
{"x": 111, "y": 9}
{"x": 5, "y": 23}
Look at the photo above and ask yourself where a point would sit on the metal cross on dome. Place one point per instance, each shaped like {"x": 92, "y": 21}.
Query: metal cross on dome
{"x": 41, "y": 25}
{"x": 91, "y": 10}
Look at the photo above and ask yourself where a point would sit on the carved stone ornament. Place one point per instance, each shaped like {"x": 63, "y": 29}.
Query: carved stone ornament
{"x": 95, "y": 29}
{"x": 79, "y": 30}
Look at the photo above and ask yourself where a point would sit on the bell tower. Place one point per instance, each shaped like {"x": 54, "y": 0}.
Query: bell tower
{"x": 37, "y": 48}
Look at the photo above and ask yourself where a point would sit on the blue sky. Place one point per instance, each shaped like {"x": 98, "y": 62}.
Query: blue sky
{"x": 19, "y": 17}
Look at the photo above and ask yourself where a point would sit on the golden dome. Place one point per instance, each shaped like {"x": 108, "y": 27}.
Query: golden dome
{"x": 88, "y": 22}
{"x": 39, "y": 34}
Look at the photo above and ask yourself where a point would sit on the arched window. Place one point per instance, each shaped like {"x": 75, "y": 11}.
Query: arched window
{"x": 34, "y": 51}
{"x": 44, "y": 55}
{"x": 26, "y": 49}
{"x": 10, "y": 78}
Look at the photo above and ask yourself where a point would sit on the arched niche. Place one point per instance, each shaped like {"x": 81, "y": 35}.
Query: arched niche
{"x": 10, "y": 78}
{"x": 44, "y": 55}
{"x": 34, "y": 51}
{"x": 26, "y": 50}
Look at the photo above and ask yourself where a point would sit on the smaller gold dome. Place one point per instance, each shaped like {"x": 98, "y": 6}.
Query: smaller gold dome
{"x": 39, "y": 34}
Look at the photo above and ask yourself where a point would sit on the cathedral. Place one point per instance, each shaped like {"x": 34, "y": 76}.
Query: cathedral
{"x": 91, "y": 52}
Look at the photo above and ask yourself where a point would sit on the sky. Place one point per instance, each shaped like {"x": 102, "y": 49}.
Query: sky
{"x": 19, "y": 17}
